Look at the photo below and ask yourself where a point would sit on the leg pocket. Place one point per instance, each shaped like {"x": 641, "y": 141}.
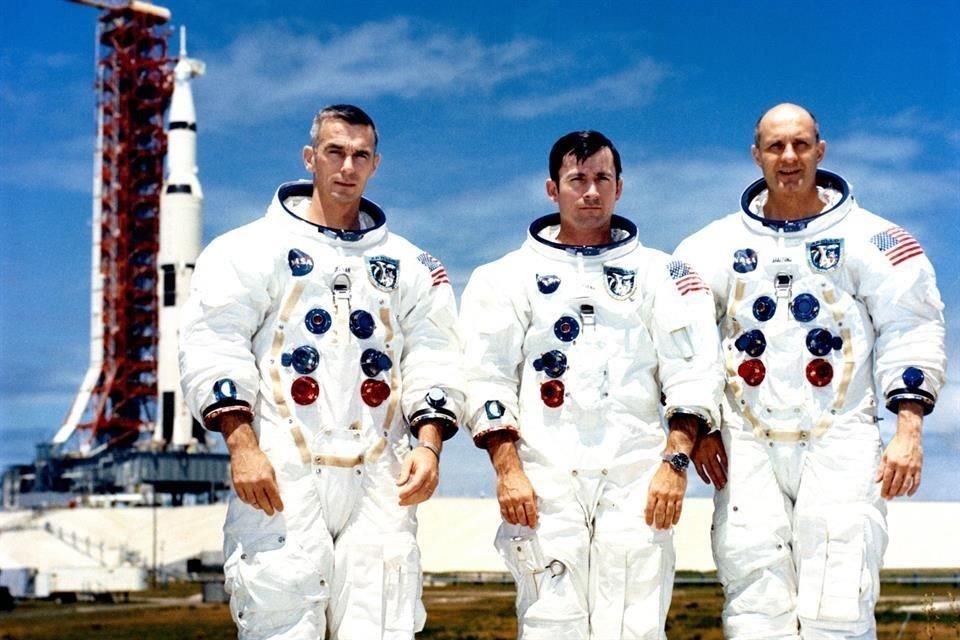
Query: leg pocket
{"x": 402, "y": 587}
{"x": 838, "y": 571}
{"x": 548, "y": 604}
{"x": 276, "y": 585}
{"x": 520, "y": 550}
{"x": 382, "y": 589}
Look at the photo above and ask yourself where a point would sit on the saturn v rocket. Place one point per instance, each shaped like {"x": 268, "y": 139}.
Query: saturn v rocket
{"x": 181, "y": 205}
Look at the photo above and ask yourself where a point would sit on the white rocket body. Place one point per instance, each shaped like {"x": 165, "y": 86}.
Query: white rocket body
{"x": 181, "y": 205}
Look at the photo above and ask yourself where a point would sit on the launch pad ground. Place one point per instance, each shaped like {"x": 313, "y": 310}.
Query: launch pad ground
{"x": 175, "y": 541}
{"x": 460, "y": 612}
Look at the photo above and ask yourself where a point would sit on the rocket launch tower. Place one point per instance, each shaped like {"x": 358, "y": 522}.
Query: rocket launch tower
{"x": 128, "y": 427}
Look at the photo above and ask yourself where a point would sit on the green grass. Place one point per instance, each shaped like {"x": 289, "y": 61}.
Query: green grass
{"x": 456, "y": 612}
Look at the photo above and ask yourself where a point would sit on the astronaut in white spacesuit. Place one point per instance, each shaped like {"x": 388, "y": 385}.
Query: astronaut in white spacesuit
{"x": 317, "y": 342}
{"x": 818, "y": 301}
{"x": 573, "y": 342}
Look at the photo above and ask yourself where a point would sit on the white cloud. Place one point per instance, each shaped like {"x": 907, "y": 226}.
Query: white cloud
{"x": 905, "y": 194}
{"x": 875, "y": 148}
{"x": 60, "y": 164}
{"x": 632, "y": 87}
{"x": 916, "y": 121}
{"x": 906, "y": 168}
{"x": 273, "y": 70}
{"x": 908, "y": 136}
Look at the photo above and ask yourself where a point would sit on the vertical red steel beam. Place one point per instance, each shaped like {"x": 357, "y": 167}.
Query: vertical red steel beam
{"x": 134, "y": 94}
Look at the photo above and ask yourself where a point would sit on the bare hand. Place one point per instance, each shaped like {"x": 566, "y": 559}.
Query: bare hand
{"x": 710, "y": 459}
{"x": 253, "y": 476}
{"x": 665, "y": 497}
{"x": 254, "y": 479}
{"x": 518, "y": 500}
{"x": 902, "y": 461}
{"x": 419, "y": 476}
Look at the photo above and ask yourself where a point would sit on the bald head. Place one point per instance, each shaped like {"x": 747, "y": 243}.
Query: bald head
{"x": 788, "y": 150}
{"x": 781, "y": 112}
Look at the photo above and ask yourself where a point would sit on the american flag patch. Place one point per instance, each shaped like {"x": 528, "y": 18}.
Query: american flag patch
{"x": 685, "y": 278}
{"x": 437, "y": 272}
{"x": 898, "y": 245}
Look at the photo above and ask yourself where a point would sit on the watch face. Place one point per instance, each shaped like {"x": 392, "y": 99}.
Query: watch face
{"x": 679, "y": 461}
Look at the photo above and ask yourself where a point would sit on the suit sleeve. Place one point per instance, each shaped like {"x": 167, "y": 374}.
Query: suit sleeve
{"x": 228, "y": 301}
{"x": 494, "y": 322}
{"x": 899, "y": 288}
{"x": 433, "y": 388}
{"x": 688, "y": 348}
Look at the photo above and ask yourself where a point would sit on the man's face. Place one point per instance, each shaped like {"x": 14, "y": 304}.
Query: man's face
{"x": 788, "y": 151}
{"x": 341, "y": 161}
{"x": 587, "y": 191}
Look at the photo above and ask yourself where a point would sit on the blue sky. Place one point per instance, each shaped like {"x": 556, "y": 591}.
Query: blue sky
{"x": 468, "y": 99}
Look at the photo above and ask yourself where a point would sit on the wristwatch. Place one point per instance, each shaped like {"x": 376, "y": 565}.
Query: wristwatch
{"x": 679, "y": 461}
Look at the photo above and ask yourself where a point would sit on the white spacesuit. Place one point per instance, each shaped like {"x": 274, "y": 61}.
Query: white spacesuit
{"x": 333, "y": 340}
{"x": 574, "y": 349}
{"x": 813, "y": 314}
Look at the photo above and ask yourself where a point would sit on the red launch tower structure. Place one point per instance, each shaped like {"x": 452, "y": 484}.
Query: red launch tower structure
{"x": 128, "y": 430}
{"x": 134, "y": 85}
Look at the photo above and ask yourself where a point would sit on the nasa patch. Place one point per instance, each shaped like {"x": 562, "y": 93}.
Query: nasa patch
{"x": 744, "y": 260}
{"x": 300, "y": 263}
{"x": 621, "y": 283}
{"x": 547, "y": 284}
{"x": 384, "y": 272}
{"x": 825, "y": 255}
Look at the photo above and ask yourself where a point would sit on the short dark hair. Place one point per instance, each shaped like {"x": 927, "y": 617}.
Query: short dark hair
{"x": 582, "y": 144}
{"x": 346, "y": 112}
